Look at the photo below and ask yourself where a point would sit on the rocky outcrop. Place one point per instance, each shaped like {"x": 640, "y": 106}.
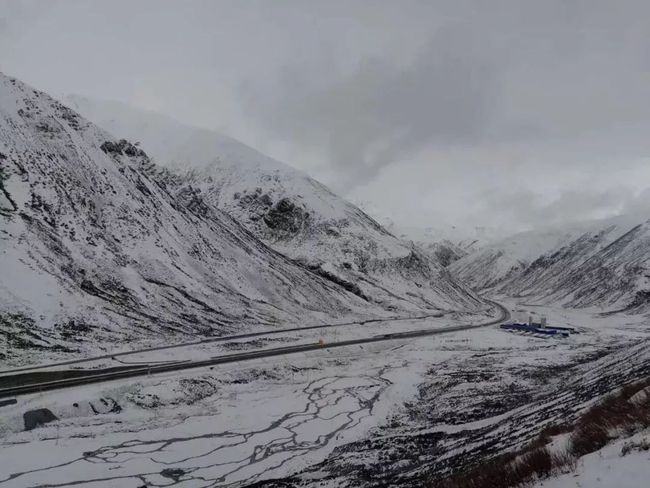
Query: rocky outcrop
{"x": 37, "y": 418}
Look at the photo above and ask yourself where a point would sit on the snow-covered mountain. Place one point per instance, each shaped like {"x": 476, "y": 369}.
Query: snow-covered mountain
{"x": 465, "y": 239}
{"x": 446, "y": 243}
{"x": 291, "y": 212}
{"x": 98, "y": 242}
{"x": 168, "y": 142}
{"x": 602, "y": 263}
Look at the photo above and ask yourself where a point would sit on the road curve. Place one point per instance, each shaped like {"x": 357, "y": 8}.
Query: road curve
{"x": 99, "y": 376}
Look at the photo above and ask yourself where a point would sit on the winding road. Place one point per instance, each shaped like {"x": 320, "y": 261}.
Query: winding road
{"x": 97, "y": 376}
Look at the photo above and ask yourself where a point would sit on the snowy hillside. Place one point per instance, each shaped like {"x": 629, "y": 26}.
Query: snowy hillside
{"x": 291, "y": 212}
{"x": 602, "y": 263}
{"x": 97, "y": 243}
{"x": 167, "y": 141}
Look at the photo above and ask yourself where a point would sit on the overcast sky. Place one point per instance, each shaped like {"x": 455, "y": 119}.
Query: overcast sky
{"x": 510, "y": 114}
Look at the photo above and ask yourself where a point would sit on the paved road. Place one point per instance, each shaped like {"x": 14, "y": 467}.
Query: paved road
{"x": 98, "y": 376}
{"x": 247, "y": 335}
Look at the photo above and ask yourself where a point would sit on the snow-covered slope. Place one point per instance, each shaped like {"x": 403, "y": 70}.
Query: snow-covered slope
{"x": 292, "y": 212}
{"x": 97, "y": 242}
{"x": 601, "y": 263}
{"x": 169, "y": 142}
{"x": 622, "y": 463}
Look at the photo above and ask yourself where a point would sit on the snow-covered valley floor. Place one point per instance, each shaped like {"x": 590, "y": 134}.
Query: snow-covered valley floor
{"x": 393, "y": 413}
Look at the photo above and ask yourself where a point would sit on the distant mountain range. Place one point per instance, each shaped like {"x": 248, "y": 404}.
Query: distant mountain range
{"x": 603, "y": 264}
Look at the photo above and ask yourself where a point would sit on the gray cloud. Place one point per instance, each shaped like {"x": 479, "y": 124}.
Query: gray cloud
{"x": 384, "y": 110}
{"x": 560, "y": 72}
{"x": 432, "y": 111}
{"x": 534, "y": 210}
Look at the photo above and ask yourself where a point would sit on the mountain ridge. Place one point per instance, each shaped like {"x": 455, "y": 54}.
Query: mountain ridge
{"x": 293, "y": 213}
{"x": 95, "y": 237}
{"x": 603, "y": 263}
